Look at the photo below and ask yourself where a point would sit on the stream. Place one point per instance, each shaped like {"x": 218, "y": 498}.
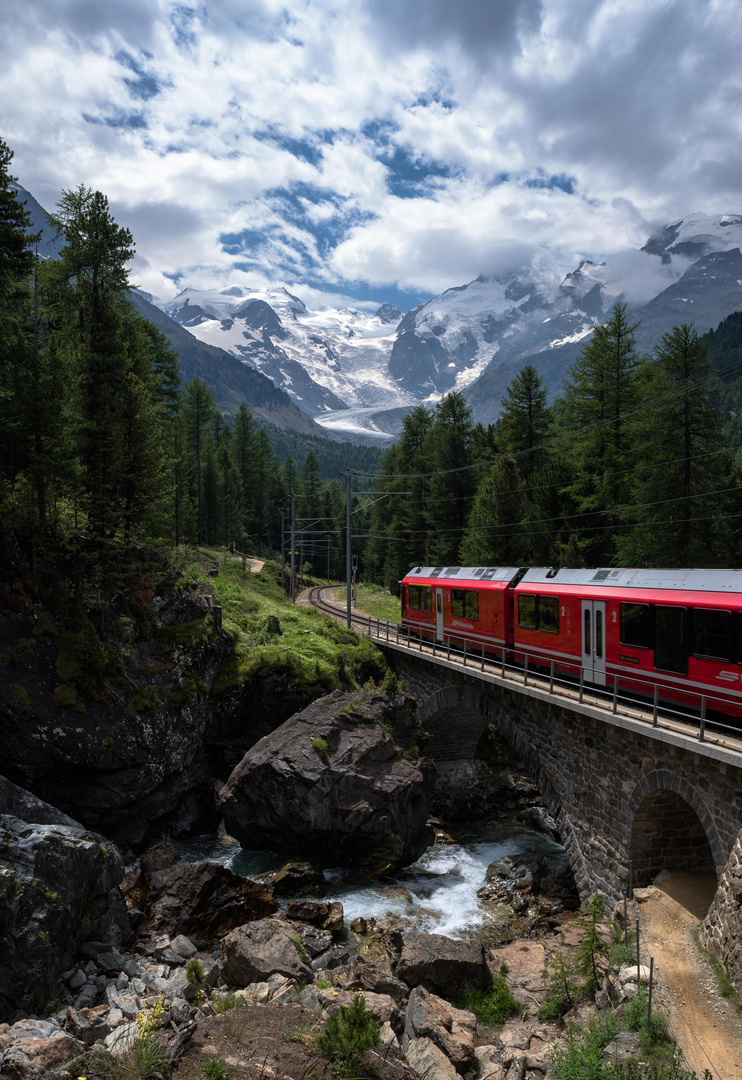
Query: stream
{"x": 437, "y": 894}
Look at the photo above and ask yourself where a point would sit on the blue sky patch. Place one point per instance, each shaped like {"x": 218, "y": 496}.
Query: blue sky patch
{"x": 565, "y": 183}
{"x": 299, "y": 148}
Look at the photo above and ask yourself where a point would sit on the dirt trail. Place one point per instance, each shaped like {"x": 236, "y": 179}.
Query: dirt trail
{"x": 706, "y": 1026}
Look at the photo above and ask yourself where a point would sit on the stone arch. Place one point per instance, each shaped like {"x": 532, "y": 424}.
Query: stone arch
{"x": 671, "y": 828}
{"x": 471, "y": 712}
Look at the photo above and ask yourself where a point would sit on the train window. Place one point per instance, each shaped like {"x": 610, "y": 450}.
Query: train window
{"x": 421, "y": 597}
{"x": 465, "y": 603}
{"x": 712, "y": 633}
{"x": 671, "y": 639}
{"x": 548, "y": 614}
{"x": 636, "y": 625}
{"x": 527, "y": 611}
{"x": 538, "y": 612}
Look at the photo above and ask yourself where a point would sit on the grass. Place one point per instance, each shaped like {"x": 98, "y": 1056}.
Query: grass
{"x": 377, "y": 601}
{"x": 725, "y": 984}
{"x": 319, "y": 654}
{"x": 492, "y": 1006}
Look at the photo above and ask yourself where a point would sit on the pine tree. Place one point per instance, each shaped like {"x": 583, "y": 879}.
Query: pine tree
{"x": 494, "y": 531}
{"x": 451, "y": 486}
{"x": 198, "y": 411}
{"x": 682, "y": 463}
{"x": 524, "y": 420}
{"x": 599, "y": 393}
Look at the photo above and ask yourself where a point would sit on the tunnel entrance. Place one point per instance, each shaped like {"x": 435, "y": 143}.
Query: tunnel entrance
{"x": 667, "y": 834}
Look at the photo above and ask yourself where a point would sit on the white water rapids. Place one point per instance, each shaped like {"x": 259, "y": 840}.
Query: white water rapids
{"x": 438, "y": 894}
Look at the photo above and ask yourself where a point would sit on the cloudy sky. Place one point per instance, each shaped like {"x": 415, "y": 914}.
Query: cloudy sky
{"x": 376, "y": 149}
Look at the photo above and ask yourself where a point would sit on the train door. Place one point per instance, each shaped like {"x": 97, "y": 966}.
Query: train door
{"x": 593, "y": 641}
{"x": 439, "y": 614}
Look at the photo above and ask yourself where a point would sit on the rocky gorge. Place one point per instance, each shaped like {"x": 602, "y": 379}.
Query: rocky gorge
{"x": 134, "y": 728}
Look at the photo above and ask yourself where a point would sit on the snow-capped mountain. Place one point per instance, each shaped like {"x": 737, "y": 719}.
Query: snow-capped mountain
{"x": 327, "y": 360}
{"x": 357, "y": 372}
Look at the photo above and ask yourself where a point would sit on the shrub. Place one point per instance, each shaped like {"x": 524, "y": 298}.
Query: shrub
{"x": 216, "y": 1069}
{"x": 195, "y": 973}
{"x": 319, "y": 745}
{"x": 224, "y": 1002}
{"x": 592, "y": 951}
{"x": 492, "y": 1006}
{"x": 348, "y": 1036}
{"x": 562, "y": 989}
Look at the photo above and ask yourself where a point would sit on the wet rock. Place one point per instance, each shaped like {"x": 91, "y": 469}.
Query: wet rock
{"x": 298, "y": 879}
{"x": 59, "y": 887}
{"x": 439, "y": 963}
{"x": 199, "y": 900}
{"x": 331, "y": 781}
{"x": 257, "y": 950}
{"x": 452, "y": 1030}
{"x": 326, "y": 916}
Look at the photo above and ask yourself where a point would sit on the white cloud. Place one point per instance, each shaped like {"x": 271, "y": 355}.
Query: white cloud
{"x": 301, "y": 124}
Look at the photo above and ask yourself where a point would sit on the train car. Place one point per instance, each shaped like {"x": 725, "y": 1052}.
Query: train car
{"x": 673, "y": 635}
{"x": 461, "y": 604}
{"x": 677, "y": 630}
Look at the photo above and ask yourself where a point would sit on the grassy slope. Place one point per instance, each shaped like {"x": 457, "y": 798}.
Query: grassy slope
{"x": 319, "y": 654}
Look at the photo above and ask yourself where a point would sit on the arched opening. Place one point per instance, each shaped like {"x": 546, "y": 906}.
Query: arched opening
{"x": 667, "y": 834}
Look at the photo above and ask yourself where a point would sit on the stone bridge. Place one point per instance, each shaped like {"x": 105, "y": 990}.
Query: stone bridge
{"x": 628, "y": 798}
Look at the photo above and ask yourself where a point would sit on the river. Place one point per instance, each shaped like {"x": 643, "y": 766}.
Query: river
{"x": 438, "y": 894}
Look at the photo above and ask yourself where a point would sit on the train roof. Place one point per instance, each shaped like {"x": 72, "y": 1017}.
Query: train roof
{"x": 717, "y": 581}
{"x": 686, "y": 580}
{"x": 466, "y": 573}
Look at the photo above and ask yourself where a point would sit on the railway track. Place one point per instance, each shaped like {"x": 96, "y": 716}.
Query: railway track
{"x": 502, "y": 670}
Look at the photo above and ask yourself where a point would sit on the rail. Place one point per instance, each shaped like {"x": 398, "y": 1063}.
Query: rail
{"x": 545, "y": 676}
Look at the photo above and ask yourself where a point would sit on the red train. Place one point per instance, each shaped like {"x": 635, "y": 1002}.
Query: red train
{"x": 677, "y": 630}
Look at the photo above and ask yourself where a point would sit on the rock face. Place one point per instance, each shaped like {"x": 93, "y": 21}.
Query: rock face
{"x": 127, "y": 762}
{"x": 58, "y": 889}
{"x": 331, "y": 783}
{"x": 721, "y": 930}
{"x": 200, "y": 900}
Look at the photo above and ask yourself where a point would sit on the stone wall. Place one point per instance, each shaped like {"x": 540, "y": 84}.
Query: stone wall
{"x": 721, "y": 930}
{"x": 619, "y": 791}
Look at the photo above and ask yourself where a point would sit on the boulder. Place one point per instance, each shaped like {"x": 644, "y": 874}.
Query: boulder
{"x": 429, "y": 1061}
{"x": 376, "y": 977}
{"x": 452, "y": 1030}
{"x": 383, "y": 1008}
{"x": 254, "y": 952}
{"x": 58, "y": 888}
{"x": 296, "y": 879}
{"x": 36, "y": 1048}
{"x": 326, "y": 916}
{"x": 200, "y": 901}
{"x": 332, "y": 782}
{"x": 439, "y": 963}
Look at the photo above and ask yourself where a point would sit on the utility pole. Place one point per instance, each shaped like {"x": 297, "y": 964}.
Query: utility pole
{"x": 293, "y": 549}
{"x": 348, "y": 568}
{"x": 283, "y": 546}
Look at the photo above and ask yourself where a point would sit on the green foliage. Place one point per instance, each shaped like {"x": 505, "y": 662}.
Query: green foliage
{"x": 300, "y": 948}
{"x": 492, "y": 1006}
{"x": 21, "y": 696}
{"x": 319, "y": 745}
{"x": 225, "y": 1002}
{"x": 581, "y": 1058}
{"x": 195, "y": 973}
{"x": 348, "y": 1036}
{"x": 562, "y": 989}
{"x": 592, "y": 951}
{"x": 216, "y": 1069}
